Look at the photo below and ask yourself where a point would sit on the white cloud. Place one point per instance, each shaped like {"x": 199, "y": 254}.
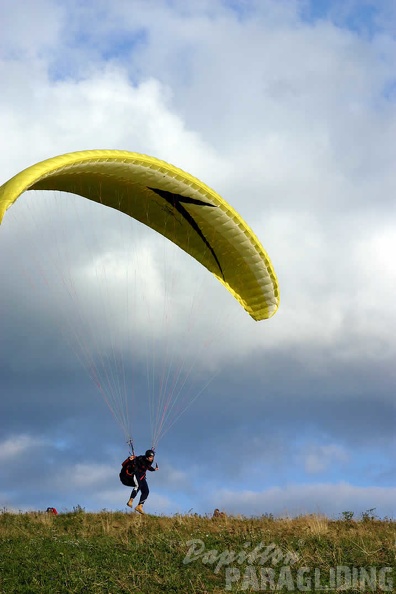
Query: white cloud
{"x": 83, "y": 475}
{"x": 319, "y": 458}
{"x": 17, "y": 446}
{"x": 327, "y": 498}
{"x": 26, "y": 32}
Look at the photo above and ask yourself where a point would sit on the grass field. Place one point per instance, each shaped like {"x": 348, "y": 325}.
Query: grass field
{"x": 116, "y": 552}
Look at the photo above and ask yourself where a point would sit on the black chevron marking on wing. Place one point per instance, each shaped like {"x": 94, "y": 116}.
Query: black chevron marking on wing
{"x": 177, "y": 201}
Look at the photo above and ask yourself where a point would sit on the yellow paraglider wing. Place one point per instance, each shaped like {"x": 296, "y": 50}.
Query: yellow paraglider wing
{"x": 172, "y": 202}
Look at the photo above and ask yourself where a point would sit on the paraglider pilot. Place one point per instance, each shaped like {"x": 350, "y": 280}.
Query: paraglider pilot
{"x": 133, "y": 474}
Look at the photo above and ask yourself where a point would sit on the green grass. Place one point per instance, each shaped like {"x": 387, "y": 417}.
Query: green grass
{"x": 115, "y": 552}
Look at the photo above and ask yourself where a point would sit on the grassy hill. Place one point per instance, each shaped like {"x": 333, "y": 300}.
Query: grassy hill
{"x": 116, "y": 552}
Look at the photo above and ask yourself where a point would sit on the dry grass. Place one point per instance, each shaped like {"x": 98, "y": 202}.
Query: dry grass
{"x": 317, "y": 524}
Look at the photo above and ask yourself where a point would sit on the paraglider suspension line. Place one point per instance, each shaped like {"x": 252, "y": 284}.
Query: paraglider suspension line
{"x": 132, "y": 449}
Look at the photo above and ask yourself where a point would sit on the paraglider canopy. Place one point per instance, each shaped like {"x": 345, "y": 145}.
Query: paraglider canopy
{"x": 170, "y": 201}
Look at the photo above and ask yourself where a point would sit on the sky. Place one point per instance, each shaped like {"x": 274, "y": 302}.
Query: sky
{"x": 287, "y": 108}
